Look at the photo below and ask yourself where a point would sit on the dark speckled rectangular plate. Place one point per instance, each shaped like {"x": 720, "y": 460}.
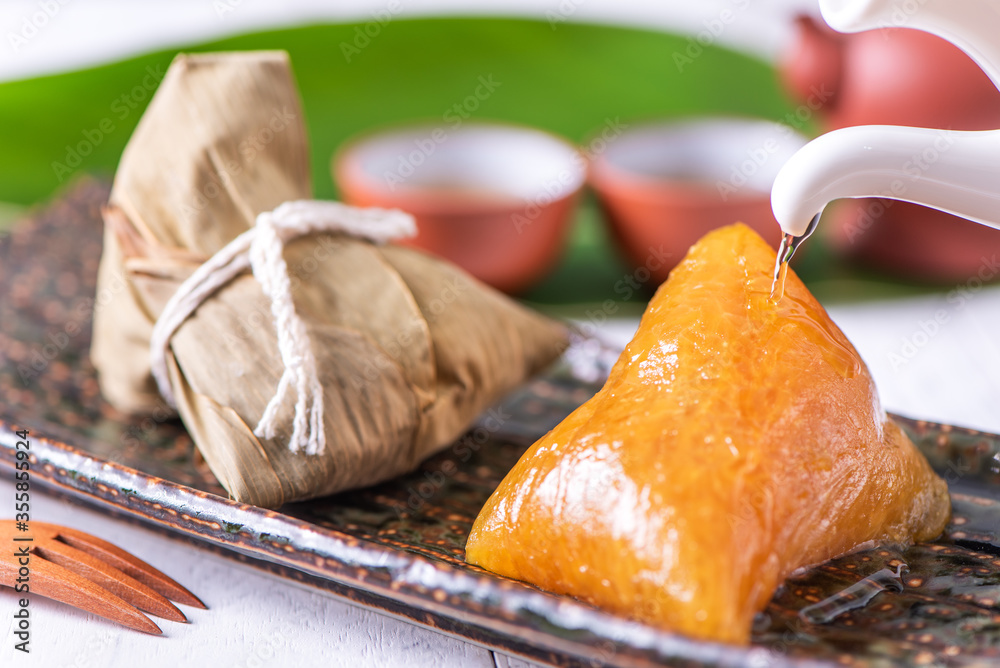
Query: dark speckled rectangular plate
{"x": 399, "y": 547}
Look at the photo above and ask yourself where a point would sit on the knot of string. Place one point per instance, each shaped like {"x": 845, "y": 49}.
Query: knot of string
{"x": 261, "y": 249}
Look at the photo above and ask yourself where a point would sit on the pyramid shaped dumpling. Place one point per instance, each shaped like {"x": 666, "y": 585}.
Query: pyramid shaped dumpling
{"x": 734, "y": 441}
{"x": 408, "y": 349}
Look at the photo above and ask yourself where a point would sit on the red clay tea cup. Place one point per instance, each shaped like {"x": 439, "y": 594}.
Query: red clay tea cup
{"x": 664, "y": 185}
{"x": 493, "y": 198}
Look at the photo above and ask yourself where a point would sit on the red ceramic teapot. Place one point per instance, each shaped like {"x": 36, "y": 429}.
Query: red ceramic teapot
{"x": 896, "y": 76}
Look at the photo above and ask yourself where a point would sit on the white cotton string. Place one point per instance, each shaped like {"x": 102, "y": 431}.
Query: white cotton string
{"x": 261, "y": 249}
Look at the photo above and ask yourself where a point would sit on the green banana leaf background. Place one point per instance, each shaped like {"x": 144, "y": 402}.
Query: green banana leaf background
{"x": 568, "y": 78}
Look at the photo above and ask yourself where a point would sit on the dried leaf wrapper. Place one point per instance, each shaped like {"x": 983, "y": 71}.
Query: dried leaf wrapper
{"x": 409, "y": 348}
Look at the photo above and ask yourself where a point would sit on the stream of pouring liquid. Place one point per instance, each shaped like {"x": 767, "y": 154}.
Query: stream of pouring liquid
{"x": 787, "y": 248}
{"x": 785, "y": 251}
{"x": 834, "y": 349}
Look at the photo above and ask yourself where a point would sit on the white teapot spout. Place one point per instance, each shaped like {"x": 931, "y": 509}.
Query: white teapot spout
{"x": 956, "y": 172}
